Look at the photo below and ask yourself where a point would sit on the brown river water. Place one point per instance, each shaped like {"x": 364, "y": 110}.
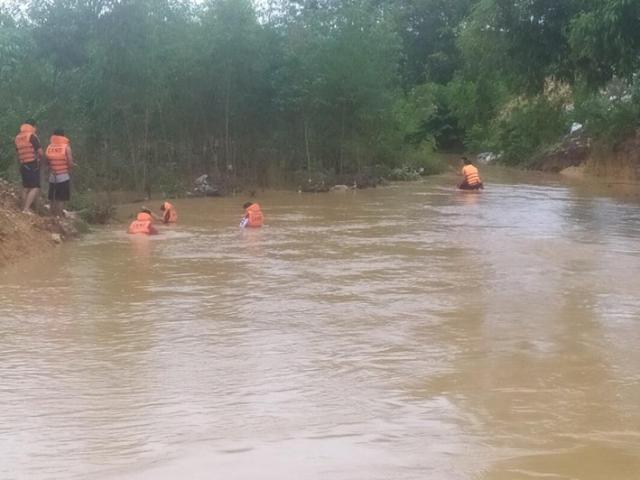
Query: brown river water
{"x": 407, "y": 332}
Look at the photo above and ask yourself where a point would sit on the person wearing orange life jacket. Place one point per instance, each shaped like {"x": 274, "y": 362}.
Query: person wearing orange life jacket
{"x": 60, "y": 161}
{"x": 143, "y": 224}
{"x": 30, "y": 154}
{"x": 253, "y": 217}
{"x": 471, "y": 176}
{"x": 169, "y": 213}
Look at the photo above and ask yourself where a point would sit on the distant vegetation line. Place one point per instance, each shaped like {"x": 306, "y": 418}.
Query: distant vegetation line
{"x": 153, "y": 91}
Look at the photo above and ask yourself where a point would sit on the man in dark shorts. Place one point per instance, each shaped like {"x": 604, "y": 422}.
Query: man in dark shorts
{"x": 60, "y": 160}
{"x": 29, "y": 153}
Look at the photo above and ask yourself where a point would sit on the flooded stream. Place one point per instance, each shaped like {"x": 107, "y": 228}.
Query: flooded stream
{"x": 408, "y": 332}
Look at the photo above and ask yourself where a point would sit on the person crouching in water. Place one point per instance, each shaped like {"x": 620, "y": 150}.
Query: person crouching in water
{"x": 169, "y": 213}
{"x": 471, "y": 176}
{"x": 253, "y": 217}
{"x": 60, "y": 160}
{"x": 143, "y": 224}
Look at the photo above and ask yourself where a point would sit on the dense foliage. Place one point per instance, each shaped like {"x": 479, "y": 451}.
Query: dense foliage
{"x": 152, "y": 91}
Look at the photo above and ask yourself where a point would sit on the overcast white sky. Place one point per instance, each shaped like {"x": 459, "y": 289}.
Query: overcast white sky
{"x": 255, "y": 2}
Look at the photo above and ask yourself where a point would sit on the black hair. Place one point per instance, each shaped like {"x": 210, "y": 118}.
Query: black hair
{"x": 466, "y": 161}
{"x": 59, "y": 132}
{"x": 247, "y": 205}
{"x": 30, "y": 121}
{"x": 145, "y": 210}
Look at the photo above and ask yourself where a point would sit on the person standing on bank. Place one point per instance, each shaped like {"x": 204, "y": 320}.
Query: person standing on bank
{"x": 29, "y": 155}
{"x": 60, "y": 160}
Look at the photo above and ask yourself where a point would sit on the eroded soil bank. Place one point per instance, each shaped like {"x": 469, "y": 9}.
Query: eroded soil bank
{"x": 23, "y": 235}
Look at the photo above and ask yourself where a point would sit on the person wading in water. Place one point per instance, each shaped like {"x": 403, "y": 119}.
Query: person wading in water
{"x": 253, "y": 217}
{"x": 169, "y": 213}
{"x": 471, "y": 176}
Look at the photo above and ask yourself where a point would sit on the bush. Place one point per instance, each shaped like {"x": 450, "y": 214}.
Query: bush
{"x": 525, "y": 125}
{"x": 91, "y": 209}
{"x": 167, "y": 181}
{"x": 404, "y": 174}
{"x": 609, "y": 119}
{"x": 81, "y": 226}
{"x": 424, "y": 161}
{"x": 98, "y": 214}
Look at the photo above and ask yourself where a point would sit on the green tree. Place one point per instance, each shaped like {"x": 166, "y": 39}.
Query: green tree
{"x": 527, "y": 41}
{"x": 605, "y": 40}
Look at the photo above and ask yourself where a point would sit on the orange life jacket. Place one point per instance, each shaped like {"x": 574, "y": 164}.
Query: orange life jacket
{"x": 254, "y": 216}
{"x": 26, "y": 152}
{"x": 471, "y": 175}
{"x": 170, "y": 214}
{"x": 143, "y": 224}
{"x": 57, "y": 155}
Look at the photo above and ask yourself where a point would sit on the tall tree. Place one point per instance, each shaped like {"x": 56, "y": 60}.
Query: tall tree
{"x": 605, "y": 40}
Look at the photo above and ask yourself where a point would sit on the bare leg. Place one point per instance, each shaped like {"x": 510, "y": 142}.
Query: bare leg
{"x": 56, "y": 209}
{"x": 30, "y": 196}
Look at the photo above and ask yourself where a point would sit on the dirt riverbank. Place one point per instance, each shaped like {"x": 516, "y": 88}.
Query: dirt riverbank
{"x": 23, "y": 235}
{"x": 579, "y": 156}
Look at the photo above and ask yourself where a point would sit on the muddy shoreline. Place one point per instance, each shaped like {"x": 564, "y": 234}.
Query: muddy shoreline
{"x": 23, "y": 235}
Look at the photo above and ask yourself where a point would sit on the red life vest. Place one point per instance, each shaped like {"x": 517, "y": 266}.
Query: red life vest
{"x": 26, "y": 152}
{"x": 254, "y": 216}
{"x": 170, "y": 214}
{"x": 57, "y": 155}
{"x": 143, "y": 224}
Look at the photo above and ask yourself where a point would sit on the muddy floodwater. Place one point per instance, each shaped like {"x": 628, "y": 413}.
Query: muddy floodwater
{"x": 407, "y": 332}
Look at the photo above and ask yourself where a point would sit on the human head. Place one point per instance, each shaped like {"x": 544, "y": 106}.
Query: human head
{"x": 466, "y": 161}
{"x": 30, "y": 121}
{"x": 59, "y": 132}
{"x": 247, "y": 205}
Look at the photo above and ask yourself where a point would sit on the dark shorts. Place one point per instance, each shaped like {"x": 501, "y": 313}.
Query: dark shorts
{"x": 466, "y": 186}
{"x": 60, "y": 192}
{"x": 30, "y": 173}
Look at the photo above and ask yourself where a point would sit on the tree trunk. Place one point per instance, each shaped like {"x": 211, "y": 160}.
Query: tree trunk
{"x": 227, "y": 147}
{"x": 145, "y": 153}
{"x": 341, "y": 154}
{"x": 306, "y": 145}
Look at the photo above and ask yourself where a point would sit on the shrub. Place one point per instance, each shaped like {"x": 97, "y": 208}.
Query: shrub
{"x": 525, "y": 125}
{"x": 91, "y": 209}
{"x": 167, "y": 181}
{"x": 609, "y": 118}
{"x": 81, "y": 226}
{"x": 404, "y": 174}
{"x": 424, "y": 161}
